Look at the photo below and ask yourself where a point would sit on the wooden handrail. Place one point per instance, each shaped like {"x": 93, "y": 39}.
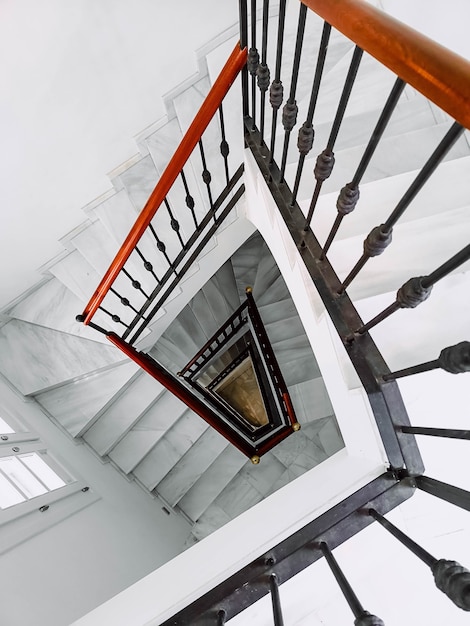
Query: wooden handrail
{"x": 438, "y": 73}
{"x": 208, "y": 109}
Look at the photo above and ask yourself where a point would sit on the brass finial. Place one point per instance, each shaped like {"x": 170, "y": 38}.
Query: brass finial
{"x": 249, "y": 289}
{"x": 296, "y": 426}
{"x": 255, "y": 459}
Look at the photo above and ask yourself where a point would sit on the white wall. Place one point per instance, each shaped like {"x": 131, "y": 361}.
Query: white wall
{"x": 79, "y": 80}
{"x": 61, "y": 573}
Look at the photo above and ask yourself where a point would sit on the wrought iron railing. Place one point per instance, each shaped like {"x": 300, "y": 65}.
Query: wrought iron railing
{"x": 155, "y": 257}
{"x": 444, "y": 78}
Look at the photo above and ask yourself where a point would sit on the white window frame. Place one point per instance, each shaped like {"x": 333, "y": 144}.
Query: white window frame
{"x": 46, "y": 509}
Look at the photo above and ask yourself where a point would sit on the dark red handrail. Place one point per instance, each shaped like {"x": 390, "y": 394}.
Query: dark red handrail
{"x": 439, "y": 74}
{"x": 229, "y": 72}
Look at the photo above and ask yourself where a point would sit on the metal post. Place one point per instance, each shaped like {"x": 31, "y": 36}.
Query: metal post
{"x": 363, "y": 617}
{"x": 276, "y": 601}
{"x": 450, "y": 577}
{"x": 446, "y": 492}
{"x": 451, "y": 433}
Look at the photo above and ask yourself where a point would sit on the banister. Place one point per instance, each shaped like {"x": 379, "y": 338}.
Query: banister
{"x": 229, "y": 72}
{"x": 438, "y": 73}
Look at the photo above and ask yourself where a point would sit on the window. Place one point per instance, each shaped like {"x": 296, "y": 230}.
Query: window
{"x": 27, "y": 471}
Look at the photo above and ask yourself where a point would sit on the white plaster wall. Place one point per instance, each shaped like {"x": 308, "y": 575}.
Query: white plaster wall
{"x": 65, "y": 571}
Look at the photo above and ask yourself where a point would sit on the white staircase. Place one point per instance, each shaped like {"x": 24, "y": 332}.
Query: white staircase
{"x": 93, "y": 392}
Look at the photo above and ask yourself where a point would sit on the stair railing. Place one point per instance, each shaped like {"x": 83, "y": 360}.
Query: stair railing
{"x": 444, "y": 78}
{"x": 145, "y": 272}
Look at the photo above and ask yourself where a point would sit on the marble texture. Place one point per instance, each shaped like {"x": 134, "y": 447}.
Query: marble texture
{"x": 119, "y": 416}
{"x": 310, "y": 400}
{"x": 53, "y": 305}
{"x": 212, "y": 482}
{"x": 147, "y": 431}
{"x": 74, "y": 405}
{"x": 168, "y": 451}
{"x": 191, "y": 466}
{"x": 77, "y": 275}
{"x": 53, "y": 357}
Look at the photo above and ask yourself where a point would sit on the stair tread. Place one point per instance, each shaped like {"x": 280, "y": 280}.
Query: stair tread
{"x": 75, "y": 404}
{"x": 66, "y": 358}
{"x": 191, "y": 466}
{"x": 167, "y": 452}
{"x": 147, "y": 431}
{"x": 121, "y": 415}
{"x": 53, "y": 305}
{"x": 212, "y": 482}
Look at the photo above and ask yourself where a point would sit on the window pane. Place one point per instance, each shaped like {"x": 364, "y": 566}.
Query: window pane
{"x": 42, "y": 470}
{"x": 21, "y": 477}
{"x": 8, "y": 494}
{"x": 4, "y": 427}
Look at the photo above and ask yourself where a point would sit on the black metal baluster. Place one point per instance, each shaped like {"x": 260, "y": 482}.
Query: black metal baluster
{"x": 363, "y": 617}
{"x": 276, "y": 601}
{"x": 450, "y": 577}
{"x": 454, "y": 359}
{"x": 381, "y": 236}
{"x": 243, "y": 17}
{"x": 206, "y": 176}
{"x": 224, "y": 147}
{"x": 262, "y": 72}
{"x": 221, "y": 615}
{"x": 147, "y": 265}
{"x": 276, "y": 91}
{"x": 162, "y": 248}
{"x": 189, "y": 199}
{"x": 290, "y": 110}
{"x": 326, "y": 159}
{"x": 349, "y": 194}
{"x": 125, "y": 302}
{"x": 451, "y": 433}
{"x": 135, "y": 283}
{"x": 306, "y": 131}
{"x": 449, "y": 493}
{"x": 418, "y": 289}
{"x": 252, "y": 63}
{"x": 174, "y": 222}
{"x": 116, "y": 319}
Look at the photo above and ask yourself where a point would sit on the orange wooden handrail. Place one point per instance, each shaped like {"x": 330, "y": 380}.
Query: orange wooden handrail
{"x": 439, "y": 74}
{"x": 208, "y": 109}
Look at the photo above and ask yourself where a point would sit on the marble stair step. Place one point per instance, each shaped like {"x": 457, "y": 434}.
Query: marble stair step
{"x": 277, "y": 290}
{"x": 118, "y": 417}
{"x": 170, "y": 449}
{"x": 191, "y": 466}
{"x": 448, "y": 189}
{"x": 54, "y": 306}
{"x": 212, "y": 482}
{"x": 300, "y": 369}
{"x": 275, "y": 311}
{"x": 245, "y": 264}
{"x": 53, "y": 357}
{"x": 75, "y": 405}
{"x": 418, "y": 248}
{"x": 393, "y": 156}
{"x": 310, "y": 400}
{"x": 285, "y": 329}
{"x": 147, "y": 431}
{"x": 413, "y": 112}
{"x": 247, "y": 488}
{"x": 76, "y": 273}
